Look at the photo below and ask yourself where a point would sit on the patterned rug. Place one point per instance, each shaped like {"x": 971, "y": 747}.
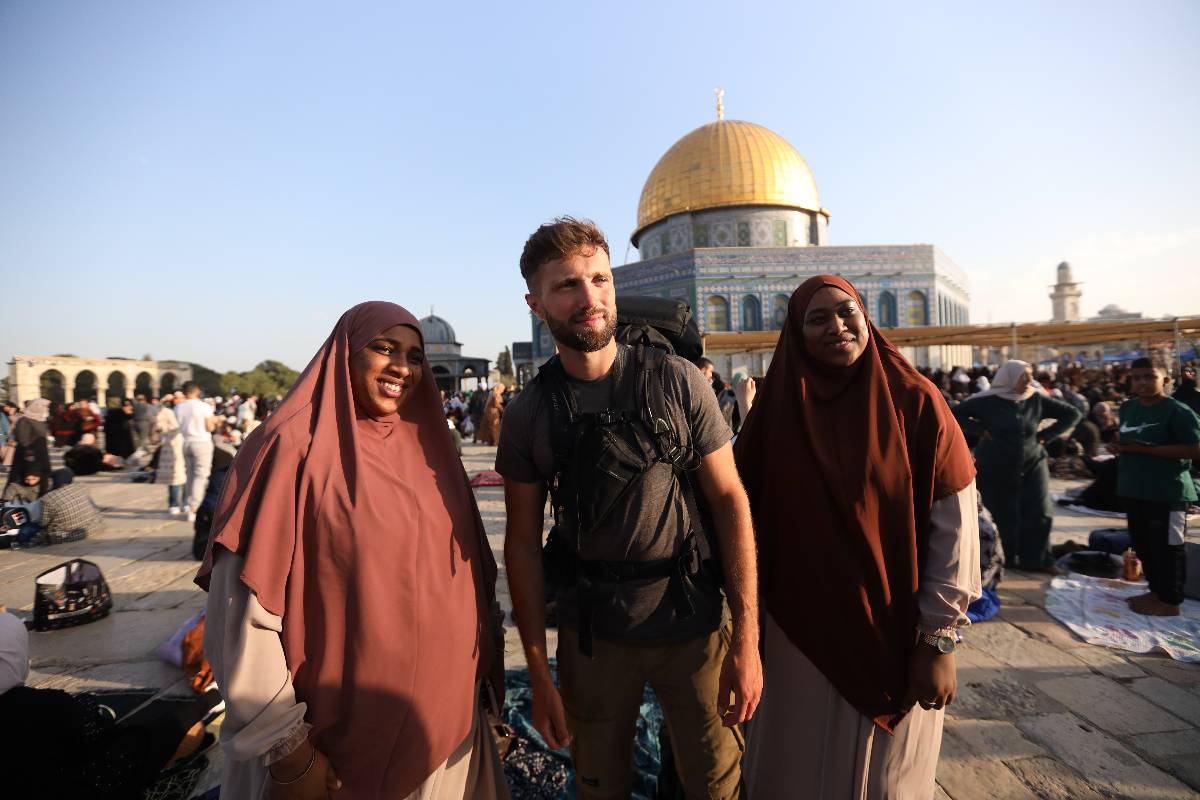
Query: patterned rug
{"x": 1095, "y": 609}
{"x": 488, "y": 477}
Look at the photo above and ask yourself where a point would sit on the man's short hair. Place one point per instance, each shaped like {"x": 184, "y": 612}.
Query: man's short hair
{"x": 1142, "y": 363}
{"x": 189, "y": 387}
{"x": 563, "y": 237}
{"x": 703, "y": 362}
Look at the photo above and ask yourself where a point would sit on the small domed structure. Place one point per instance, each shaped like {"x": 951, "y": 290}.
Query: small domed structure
{"x": 436, "y": 330}
{"x": 444, "y": 352}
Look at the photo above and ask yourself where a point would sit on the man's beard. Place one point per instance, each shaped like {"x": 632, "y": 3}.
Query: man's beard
{"x": 590, "y": 339}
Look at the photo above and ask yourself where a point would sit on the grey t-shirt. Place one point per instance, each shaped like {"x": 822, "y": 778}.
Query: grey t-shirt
{"x": 647, "y": 524}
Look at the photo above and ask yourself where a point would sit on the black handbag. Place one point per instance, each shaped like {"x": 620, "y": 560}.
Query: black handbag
{"x": 70, "y": 594}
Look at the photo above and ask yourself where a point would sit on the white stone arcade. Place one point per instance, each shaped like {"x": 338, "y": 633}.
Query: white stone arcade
{"x": 66, "y": 379}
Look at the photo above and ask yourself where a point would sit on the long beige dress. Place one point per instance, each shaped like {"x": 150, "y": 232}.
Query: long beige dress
{"x": 265, "y": 722}
{"x": 489, "y": 425}
{"x": 807, "y": 741}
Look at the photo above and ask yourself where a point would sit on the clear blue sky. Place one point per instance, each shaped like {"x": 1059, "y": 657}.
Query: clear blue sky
{"x": 218, "y": 181}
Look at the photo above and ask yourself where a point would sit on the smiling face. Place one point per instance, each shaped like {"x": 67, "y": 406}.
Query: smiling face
{"x": 835, "y": 328}
{"x": 384, "y": 374}
{"x": 575, "y": 297}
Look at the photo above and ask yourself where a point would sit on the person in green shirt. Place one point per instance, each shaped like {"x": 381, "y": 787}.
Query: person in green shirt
{"x": 1013, "y": 478}
{"x": 1159, "y": 438}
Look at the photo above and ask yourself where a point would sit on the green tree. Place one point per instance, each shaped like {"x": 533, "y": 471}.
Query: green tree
{"x": 504, "y": 364}
{"x": 209, "y": 379}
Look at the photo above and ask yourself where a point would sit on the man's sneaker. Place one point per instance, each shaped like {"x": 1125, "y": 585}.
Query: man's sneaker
{"x": 175, "y": 511}
{"x": 191, "y": 517}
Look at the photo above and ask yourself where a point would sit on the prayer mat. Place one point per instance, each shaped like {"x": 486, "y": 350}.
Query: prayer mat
{"x": 489, "y": 477}
{"x": 1095, "y": 609}
{"x": 518, "y": 709}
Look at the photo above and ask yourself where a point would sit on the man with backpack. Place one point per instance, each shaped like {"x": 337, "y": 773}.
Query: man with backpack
{"x": 651, "y": 522}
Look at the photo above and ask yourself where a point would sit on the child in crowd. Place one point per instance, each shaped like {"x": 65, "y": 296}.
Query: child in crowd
{"x": 1159, "y": 436}
{"x": 170, "y": 457}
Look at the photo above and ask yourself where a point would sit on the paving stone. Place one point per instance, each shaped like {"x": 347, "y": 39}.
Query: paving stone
{"x": 154, "y": 674}
{"x": 1008, "y": 599}
{"x": 989, "y": 689}
{"x": 1036, "y": 622}
{"x": 1110, "y": 705}
{"x": 180, "y": 593}
{"x": 127, "y": 636}
{"x": 1107, "y": 661}
{"x": 966, "y": 776}
{"x": 1028, "y": 586}
{"x": 1187, "y": 768}
{"x": 1175, "y": 699}
{"x": 1171, "y": 743}
{"x": 1167, "y": 668}
{"x": 1107, "y": 765}
{"x": 991, "y": 738}
{"x": 1010, "y": 645}
{"x": 1050, "y": 779}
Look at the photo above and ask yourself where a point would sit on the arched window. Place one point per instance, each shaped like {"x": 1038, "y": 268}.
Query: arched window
{"x": 918, "y": 309}
{"x": 116, "y": 384}
{"x": 718, "y": 313}
{"x": 779, "y": 311}
{"x": 51, "y": 385}
{"x": 751, "y": 313}
{"x": 143, "y": 384}
{"x": 887, "y": 310}
{"x": 166, "y": 384}
{"x": 85, "y": 385}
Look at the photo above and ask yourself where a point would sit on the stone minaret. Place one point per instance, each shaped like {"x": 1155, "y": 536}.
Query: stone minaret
{"x": 1065, "y": 296}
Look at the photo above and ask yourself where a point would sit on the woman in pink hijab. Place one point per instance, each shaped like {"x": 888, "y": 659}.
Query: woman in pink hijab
{"x": 351, "y": 588}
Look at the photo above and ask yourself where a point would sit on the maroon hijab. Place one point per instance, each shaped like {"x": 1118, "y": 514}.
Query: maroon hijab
{"x": 843, "y": 467}
{"x": 363, "y": 535}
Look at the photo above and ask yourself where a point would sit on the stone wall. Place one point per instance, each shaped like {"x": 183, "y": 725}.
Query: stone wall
{"x": 92, "y": 377}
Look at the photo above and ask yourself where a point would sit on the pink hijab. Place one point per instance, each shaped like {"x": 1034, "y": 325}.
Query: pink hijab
{"x": 363, "y": 535}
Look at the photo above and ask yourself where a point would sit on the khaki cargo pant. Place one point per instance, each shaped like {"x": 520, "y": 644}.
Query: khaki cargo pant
{"x": 603, "y": 694}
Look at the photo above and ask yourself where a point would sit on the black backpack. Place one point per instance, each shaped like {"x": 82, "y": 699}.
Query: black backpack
{"x": 660, "y": 322}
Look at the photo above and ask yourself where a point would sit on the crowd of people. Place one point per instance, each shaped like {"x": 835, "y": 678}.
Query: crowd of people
{"x": 173, "y": 440}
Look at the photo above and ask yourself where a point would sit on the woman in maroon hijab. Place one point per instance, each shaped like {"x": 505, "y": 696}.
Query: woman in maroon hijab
{"x": 351, "y": 587}
{"x": 863, "y": 495}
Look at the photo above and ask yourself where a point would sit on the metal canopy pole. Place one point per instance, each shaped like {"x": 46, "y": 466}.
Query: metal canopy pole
{"x": 1178, "y": 349}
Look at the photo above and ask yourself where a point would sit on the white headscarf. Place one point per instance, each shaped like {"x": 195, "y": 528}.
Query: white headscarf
{"x": 37, "y": 409}
{"x": 14, "y": 652}
{"x": 1005, "y": 380}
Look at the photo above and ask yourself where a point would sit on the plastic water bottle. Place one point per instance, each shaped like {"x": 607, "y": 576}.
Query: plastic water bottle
{"x": 1131, "y": 566}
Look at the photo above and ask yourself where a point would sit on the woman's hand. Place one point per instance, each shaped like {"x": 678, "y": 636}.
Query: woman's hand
{"x": 932, "y": 678}
{"x": 315, "y": 784}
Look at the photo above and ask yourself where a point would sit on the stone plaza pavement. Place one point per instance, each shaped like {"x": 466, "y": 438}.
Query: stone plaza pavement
{"x": 1039, "y": 714}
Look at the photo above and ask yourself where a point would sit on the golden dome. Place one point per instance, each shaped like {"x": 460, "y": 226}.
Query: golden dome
{"x": 727, "y": 163}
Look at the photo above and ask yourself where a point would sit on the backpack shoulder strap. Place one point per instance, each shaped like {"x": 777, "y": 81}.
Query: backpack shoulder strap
{"x": 684, "y": 461}
{"x": 651, "y": 398}
{"x": 560, "y": 403}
